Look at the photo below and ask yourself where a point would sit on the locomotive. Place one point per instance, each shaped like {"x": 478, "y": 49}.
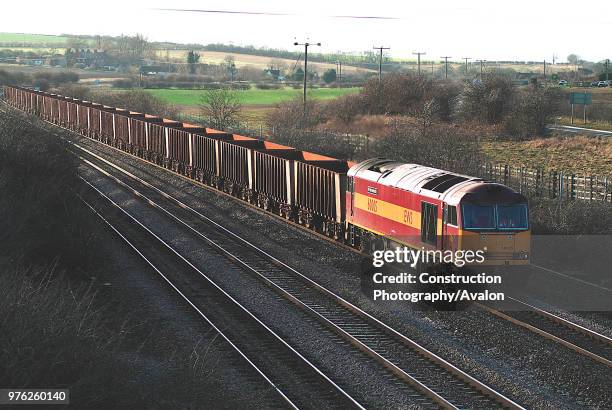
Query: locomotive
{"x": 376, "y": 204}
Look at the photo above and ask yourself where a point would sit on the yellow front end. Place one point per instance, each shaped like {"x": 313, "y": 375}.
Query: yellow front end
{"x": 500, "y": 248}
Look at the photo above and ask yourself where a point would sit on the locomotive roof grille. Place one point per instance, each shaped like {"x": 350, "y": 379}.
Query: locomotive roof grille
{"x": 447, "y": 183}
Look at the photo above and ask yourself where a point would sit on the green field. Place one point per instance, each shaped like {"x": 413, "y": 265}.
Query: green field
{"x": 253, "y": 96}
{"x": 31, "y": 39}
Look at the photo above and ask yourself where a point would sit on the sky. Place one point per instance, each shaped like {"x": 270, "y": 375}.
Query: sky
{"x": 492, "y": 30}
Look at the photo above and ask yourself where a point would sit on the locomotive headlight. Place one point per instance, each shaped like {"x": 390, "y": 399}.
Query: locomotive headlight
{"x": 520, "y": 255}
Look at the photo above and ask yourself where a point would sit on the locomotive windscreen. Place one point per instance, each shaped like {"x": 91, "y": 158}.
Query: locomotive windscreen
{"x": 495, "y": 217}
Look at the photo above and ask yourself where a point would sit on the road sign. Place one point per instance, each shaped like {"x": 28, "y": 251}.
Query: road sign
{"x": 581, "y": 98}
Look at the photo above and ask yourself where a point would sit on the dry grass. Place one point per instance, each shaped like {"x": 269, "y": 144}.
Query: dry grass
{"x": 577, "y": 154}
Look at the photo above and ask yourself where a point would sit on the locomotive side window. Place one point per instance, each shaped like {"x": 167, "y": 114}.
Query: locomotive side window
{"x": 451, "y": 215}
{"x": 429, "y": 219}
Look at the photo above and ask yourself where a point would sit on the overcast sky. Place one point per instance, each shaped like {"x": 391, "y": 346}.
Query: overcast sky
{"x": 493, "y": 30}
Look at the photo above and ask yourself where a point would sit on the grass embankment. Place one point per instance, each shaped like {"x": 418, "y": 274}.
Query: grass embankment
{"x": 577, "y": 154}
{"x": 578, "y": 122}
{"x": 55, "y": 328}
{"x": 252, "y": 97}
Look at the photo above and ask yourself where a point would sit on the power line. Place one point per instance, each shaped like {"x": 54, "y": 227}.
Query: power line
{"x": 418, "y": 54}
{"x": 446, "y": 65}
{"x": 381, "y": 48}
{"x": 305, "y": 44}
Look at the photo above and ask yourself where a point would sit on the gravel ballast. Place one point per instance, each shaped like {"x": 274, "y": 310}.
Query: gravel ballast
{"x": 533, "y": 371}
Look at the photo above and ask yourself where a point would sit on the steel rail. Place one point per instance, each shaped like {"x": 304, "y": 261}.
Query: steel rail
{"x": 553, "y": 327}
{"x": 228, "y": 296}
{"x": 413, "y": 381}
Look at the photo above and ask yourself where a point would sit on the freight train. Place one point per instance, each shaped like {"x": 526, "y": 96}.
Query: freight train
{"x": 377, "y": 204}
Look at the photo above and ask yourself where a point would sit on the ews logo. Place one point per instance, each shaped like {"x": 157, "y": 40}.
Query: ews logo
{"x": 407, "y": 217}
{"x": 372, "y": 205}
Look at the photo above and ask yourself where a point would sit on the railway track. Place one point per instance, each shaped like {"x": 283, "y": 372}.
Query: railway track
{"x": 436, "y": 381}
{"x": 553, "y": 327}
{"x": 291, "y": 375}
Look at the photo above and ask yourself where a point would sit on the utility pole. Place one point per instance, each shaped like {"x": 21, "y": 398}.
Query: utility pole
{"x": 339, "y": 70}
{"x": 446, "y": 65}
{"x": 381, "y": 48}
{"x": 607, "y": 64}
{"x": 306, "y": 44}
{"x": 544, "y": 72}
{"x": 466, "y": 64}
{"x": 418, "y": 54}
{"x": 481, "y": 65}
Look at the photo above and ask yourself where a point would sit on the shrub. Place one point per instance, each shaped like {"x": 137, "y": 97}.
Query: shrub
{"x": 268, "y": 86}
{"x": 443, "y": 147}
{"x": 487, "y": 101}
{"x": 532, "y": 110}
{"x": 136, "y": 100}
{"x": 124, "y": 83}
{"x": 293, "y": 114}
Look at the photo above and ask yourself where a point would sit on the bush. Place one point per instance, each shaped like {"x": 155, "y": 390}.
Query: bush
{"x": 136, "y": 100}
{"x": 443, "y": 147}
{"x": 74, "y": 90}
{"x": 550, "y": 216}
{"x": 532, "y": 110}
{"x": 268, "y": 86}
{"x": 292, "y": 114}
{"x": 395, "y": 94}
{"x": 125, "y": 83}
{"x": 487, "y": 101}
{"x": 347, "y": 107}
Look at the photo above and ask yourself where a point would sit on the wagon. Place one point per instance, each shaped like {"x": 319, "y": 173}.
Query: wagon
{"x": 205, "y": 155}
{"x": 272, "y": 178}
{"x": 320, "y": 184}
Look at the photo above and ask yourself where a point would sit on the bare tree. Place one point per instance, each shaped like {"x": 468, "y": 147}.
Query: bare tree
{"x": 221, "y": 108}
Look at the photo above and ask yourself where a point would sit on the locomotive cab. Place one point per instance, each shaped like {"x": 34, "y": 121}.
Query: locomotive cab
{"x": 495, "y": 219}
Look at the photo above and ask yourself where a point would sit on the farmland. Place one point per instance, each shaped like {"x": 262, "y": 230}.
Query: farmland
{"x": 252, "y": 97}
{"x": 32, "y": 40}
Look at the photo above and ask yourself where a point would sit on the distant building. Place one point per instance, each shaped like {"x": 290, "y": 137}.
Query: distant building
{"x": 87, "y": 57}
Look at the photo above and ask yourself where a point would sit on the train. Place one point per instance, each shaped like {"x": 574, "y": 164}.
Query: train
{"x": 373, "y": 205}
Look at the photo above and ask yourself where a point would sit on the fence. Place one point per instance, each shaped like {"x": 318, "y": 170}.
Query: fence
{"x": 553, "y": 184}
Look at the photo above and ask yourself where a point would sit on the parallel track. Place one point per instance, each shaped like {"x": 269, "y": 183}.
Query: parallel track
{"x": 263, "y": 349}
{"x": 427, "y": 373}
{"x": 553, "y": 327}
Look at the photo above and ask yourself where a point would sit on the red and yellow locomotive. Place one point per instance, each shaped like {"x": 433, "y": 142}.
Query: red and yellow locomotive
{"x": 391, "y": 204}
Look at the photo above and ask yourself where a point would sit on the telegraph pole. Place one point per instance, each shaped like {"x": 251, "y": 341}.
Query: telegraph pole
{"x": 466, "y": 64}
{"x": 446, "y": 65}
{"x": 607, "y": 64}
{"x": 418, "y": 54}
{"x": 544, "y": 72}
{"x": 481, "y": 65}
{"x": 381, "y": 48}
{"x": 306, "y": 44}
